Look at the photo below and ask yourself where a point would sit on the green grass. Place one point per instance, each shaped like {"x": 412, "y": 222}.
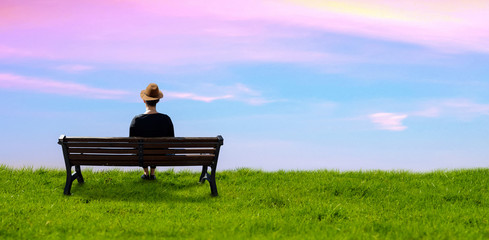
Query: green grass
{"x": 251, "y": 205}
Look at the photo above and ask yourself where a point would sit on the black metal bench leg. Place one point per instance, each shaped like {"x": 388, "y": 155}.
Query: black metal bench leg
{"x": 69, "y": 181}
{"x": 71, "y": 177}
{"x": 79, "y": 176}
{"x": 212, "y": 181}
{"x": 203, "y": 175}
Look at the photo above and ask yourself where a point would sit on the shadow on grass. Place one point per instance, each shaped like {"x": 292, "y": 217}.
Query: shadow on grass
{"x": 138, "y": 190}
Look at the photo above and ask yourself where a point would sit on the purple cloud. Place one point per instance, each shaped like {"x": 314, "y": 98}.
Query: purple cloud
{"x": 74, "y": 68}
{"x": 32, "y": 84}
{"x": 193, "y": 32}
{"x": 388, "y": 121}
{"x": 192, "y": 96}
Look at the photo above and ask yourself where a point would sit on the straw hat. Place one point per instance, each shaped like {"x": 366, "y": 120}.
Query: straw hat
{"x": 152, "y": 92}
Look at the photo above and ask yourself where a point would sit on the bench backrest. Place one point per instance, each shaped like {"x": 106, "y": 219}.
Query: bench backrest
{"x": 137, "y": 151}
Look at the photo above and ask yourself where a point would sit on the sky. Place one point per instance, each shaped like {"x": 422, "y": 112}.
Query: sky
{"x": 289, "y": 84}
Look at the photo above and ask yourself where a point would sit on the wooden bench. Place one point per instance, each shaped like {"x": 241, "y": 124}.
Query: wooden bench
{"x": 138, "y": 151}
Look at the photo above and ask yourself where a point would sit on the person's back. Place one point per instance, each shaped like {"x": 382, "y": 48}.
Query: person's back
{"x": 151, "y": 123}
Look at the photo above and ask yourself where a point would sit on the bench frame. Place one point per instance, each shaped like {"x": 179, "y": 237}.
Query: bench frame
{"x": 142, "y": 152}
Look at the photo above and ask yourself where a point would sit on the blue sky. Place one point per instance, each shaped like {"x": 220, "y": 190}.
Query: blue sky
{"x": 285, "y": 88}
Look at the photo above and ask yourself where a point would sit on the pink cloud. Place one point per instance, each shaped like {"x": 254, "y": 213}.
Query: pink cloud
{"x": 210, "y": 92}
{"x": 430, "y": 112}
{"x": 74, "y": 68}
{"x": 238, "y": 92}
{"x": 15, "y": 52}
{"x": 188, "y": 32}
{"x": 459, "y": 108}
{"x": 467, "y": 107}
{"x": 192, "y": 96}
{"x": 22, "y": 84}
{"x": 388, "y": 121}
{"x": 242, "y": 93}
{"x": 458, "y": 26}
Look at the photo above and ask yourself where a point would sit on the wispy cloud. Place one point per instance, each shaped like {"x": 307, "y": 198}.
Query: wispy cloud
{"x": 430, "y": 112}
{"x": 459, "y": 108}
{"x": 388, "y": 121}
{"x": 219, "y": 31}
{"x": 210, "y": 92}
{"x": 459, "y": 26}
{"x": 32, "y": 84}
{"x": 466, "y": 107}
{"x": 23, "y": 52}
{"x": 237, "y": 92}
{"x": 192, "y": 96}
{"x": 243, "y": 93}
{"x": 462, "y": 109}
{"x": 74, "y": 68}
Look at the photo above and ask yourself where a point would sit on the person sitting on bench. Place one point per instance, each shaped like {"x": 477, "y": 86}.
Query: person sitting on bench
{"x": 151, "y": 123}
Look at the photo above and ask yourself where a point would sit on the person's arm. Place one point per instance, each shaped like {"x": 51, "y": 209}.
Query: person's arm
{"x": 132, "y": 128}
{"x": 172, "y": 131}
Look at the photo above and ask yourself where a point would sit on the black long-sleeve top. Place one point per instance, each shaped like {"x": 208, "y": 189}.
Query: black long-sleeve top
{"x": 151, "y": 125}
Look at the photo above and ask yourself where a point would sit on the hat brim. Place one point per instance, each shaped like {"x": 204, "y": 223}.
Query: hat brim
{"x": 148, "y": 98}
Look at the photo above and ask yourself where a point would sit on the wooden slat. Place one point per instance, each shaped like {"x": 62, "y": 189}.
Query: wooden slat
{"x": 159, "y": 162}
{"x": 146, "y": 145}
{"x": 183, "y": 139}
{"x": 146, "y": 151}
{"x": 90, "y": 157}
{"x": 176, "y": 151}
{"x": 103, "y": 150}
{"x": 181, "y": 145}
{"x": 82, "y": 157}
{"x": 101, "y": 139}
{"x": 100, "y": 144}
{"x": 136, "y": 164}
{"x": 178, "y": 158}
{"x": 181, "y": 163}
{"x": 136, "y": 139}
{"x": 105, "y": 163}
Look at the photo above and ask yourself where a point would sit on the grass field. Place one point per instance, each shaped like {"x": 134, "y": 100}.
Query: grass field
{"x": 251, "y": 205}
